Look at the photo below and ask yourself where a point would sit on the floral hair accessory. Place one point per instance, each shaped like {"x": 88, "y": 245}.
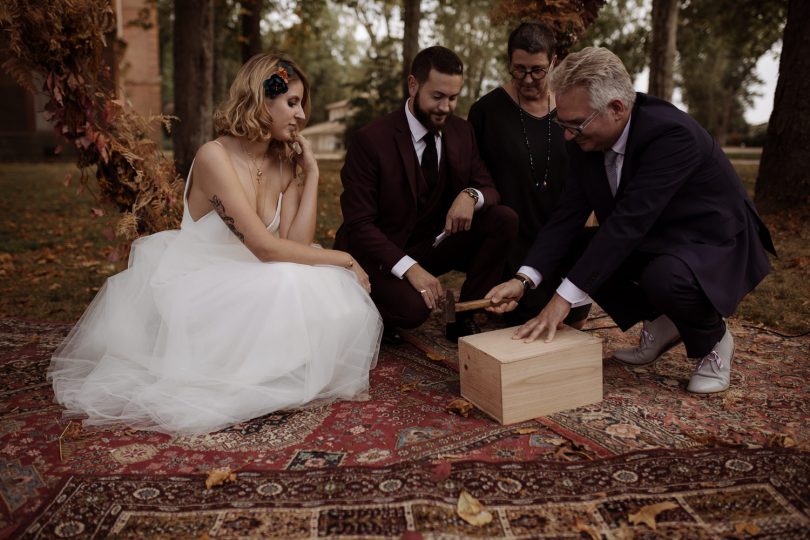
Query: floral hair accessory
{"x": 277, "y": 83}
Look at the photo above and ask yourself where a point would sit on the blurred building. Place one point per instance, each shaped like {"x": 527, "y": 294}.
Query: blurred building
{"x": 25, "y": 134}
{"x": 326, "y": 138}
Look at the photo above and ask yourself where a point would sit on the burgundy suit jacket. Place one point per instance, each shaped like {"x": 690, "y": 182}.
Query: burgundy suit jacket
{"x": 678, "y": 195}
{"x": 380, "y": 178}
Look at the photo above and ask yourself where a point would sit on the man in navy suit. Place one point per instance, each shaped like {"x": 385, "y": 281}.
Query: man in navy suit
{"x": 418, "y": 202}
{"x": 679, "y": 243}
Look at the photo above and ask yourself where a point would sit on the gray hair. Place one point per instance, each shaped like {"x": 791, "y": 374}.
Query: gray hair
{"x": 598, "y": 71}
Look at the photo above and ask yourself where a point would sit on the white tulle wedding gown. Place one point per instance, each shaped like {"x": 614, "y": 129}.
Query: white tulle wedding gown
{"x": 197, "y": 334}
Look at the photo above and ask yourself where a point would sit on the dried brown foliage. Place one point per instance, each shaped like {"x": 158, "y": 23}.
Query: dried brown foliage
{"x": 568, "y": 19}
{"x": 64, "y": 44}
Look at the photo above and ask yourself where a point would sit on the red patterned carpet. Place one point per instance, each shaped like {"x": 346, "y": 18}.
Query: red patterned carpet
{"x": 730, "y": 465}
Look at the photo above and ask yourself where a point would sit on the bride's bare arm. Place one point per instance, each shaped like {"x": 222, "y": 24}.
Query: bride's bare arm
{"x": 300, "y": 207}
{"x": 214, "y": 175}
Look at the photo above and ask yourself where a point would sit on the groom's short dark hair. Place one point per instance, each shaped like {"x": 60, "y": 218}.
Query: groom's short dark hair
{"x": 439, "y": 58}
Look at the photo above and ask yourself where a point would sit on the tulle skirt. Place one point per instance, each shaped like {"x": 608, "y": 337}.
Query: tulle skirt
{"x": 195, "y": 337}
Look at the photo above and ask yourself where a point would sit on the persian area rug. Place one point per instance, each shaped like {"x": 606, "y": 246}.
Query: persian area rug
{"x": 732, "y": 463}
{"x": 675, "y": 494}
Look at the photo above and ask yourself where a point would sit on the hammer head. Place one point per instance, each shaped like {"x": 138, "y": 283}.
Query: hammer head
{"x": 449, "y": 307}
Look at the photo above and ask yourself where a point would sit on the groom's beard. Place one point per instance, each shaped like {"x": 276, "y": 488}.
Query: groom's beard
{"x": 426, "y": 119}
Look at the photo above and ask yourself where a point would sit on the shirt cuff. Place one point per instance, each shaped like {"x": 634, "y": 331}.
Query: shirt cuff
{"x": 480, "y": 202}
{"x": 573, "y": 294}
{"x": 402, "y": 266}
{"x": 534, "y": 276}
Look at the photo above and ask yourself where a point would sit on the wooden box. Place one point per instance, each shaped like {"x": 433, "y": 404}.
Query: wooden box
{"x": 513, "y": 381}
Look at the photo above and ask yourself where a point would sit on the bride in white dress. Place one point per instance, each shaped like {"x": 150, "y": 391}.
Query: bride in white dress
{"x": 235, "y": 315}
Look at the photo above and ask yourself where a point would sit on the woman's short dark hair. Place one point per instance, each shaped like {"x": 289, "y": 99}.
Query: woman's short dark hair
{"x": 439, "y": 58}
{"x": 532, "y": 37}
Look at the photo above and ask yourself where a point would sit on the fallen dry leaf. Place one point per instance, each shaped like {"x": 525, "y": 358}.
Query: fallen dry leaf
{"x": 435, "y": 357}
{"x": 471, "y": 510}
{"x": 410, "y": 387}
{"x": 749, "y": 528}
{"x": 218, "y": 477}
{"x": 441, "y": 471}
{"x": 460, "y": 406}
{"x": 587, "y": 529}
{"x": 780, "y": 440}
{"x": 527, "y": 430}
{"x": 648, "y": 514}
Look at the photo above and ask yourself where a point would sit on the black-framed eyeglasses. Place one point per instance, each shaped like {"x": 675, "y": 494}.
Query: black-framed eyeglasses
{"x": 573, "y": 129}
{"x": 537, "y": 73}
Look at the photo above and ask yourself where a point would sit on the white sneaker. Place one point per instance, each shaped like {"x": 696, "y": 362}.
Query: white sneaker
{"x": 713, "y": 373}
{"x": 657, "y": 337}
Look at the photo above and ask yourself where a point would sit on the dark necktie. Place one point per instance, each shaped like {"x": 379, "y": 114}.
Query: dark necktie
{"x": 610, "y": 169}
{"x": 430, "y": 162}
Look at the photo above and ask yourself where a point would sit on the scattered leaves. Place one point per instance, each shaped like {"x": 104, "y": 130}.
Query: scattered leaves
{"x": 649, "y": 513}
{"x": 461, "y": 407}
{"x": 218, "y": 477}
{"x": 471, "y": 510}
{"x": 587, "y": 529}
{"x": 746, "y": 528}
{"x": 526, "y": 430}
{"x": 781, "y": 440}
{"x": 410, "y": 387}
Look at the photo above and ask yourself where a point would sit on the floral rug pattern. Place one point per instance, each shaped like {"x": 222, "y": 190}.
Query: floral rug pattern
{"x": 404, "y": 425}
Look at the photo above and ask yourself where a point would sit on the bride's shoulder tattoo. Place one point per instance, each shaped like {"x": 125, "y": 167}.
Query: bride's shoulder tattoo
{"x": 220, "y": 208}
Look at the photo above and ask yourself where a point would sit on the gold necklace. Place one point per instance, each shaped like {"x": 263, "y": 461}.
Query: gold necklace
{"x": 252, "y": 161}
{"x": 260, "y": 192}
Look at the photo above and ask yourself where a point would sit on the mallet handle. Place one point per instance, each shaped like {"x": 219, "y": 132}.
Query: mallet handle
{"x": 473, "y": 304}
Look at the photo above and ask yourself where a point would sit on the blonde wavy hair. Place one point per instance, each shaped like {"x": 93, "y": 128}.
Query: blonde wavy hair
{"x": 244, "y": 113}
{"x": 598, "y": 71}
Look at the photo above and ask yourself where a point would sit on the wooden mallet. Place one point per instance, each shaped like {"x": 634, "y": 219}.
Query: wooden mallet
{"x": 451, "y": 307}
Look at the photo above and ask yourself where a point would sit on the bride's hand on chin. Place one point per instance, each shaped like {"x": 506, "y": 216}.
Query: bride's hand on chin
{"x": 302, "y": 154}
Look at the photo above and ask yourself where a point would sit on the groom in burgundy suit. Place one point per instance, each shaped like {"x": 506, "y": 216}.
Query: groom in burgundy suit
{"x": 419, "y": 202}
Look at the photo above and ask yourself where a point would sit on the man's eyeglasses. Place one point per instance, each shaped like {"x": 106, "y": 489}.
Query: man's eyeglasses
{"x": 520, "y": 73}
{"x": 575, "y": 130}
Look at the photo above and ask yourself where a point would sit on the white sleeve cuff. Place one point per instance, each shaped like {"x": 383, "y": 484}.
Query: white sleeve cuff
{"x": 402, "y": 266}
{"x": 573, "y": 294}
{"x": 534, "y": 276}
{"x": 480, "y": 202}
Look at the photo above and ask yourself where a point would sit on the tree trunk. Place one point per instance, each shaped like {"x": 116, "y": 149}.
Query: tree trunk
{"x": 783, "y": 180}
{"x": 251, "y": 16}
{"x": 411, "y": 15}
{"x": 193, "y": 79}
{"x": 662, "y": 47}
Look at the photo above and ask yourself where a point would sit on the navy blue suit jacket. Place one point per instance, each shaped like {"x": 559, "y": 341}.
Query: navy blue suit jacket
{"x": 678, "y": 195}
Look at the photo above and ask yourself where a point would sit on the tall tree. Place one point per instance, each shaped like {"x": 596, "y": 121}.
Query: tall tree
{"x": 411, "y": 16}
{"x": 623, "y": 27}
{"x": 193, "y": 78}
{"x": 663, "y": 47}
{"x": 250, "y": 16}
{"x": 720, "y": 42}
{"x": 466, "y": 28}
{"x": 783, "y": 180}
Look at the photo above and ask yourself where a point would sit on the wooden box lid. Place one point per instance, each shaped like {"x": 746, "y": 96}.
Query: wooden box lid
{"x": 499, "y": 343}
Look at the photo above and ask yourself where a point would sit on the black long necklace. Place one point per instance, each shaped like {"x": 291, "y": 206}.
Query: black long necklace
{"x": 537, "y": 183}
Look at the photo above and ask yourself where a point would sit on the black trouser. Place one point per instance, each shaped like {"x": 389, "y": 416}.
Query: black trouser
{"x": 649, "y": 285}
{"x": 479, "y": 252}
